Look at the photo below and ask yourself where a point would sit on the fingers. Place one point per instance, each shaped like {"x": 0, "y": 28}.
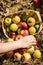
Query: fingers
{"x": 30, "y": 38}
{"x": 29, "y": 44}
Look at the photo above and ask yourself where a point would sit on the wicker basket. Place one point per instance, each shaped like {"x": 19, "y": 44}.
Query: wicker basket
{"x": 30, "y": 12}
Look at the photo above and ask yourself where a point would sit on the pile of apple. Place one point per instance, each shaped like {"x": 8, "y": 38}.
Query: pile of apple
{"x": 18, "y": 27}
{"x": 28, "y": 54}
{"x": 25, "y": 55}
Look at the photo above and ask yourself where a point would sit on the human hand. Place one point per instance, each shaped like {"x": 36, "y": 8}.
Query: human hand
{"x": 27, "y": 41}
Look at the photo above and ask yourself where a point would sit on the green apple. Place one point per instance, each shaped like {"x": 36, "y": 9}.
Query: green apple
{"x": 16, "y": 19}
{"x": 37, "y": 54}
{"x": 27, "y": 56}
{"x": 37, "y": 27}
{"x": 13, "y": 27}
{"x": 32, "y": 30}
{"x": 31, "y": 21}
{"x": 10, "y": 40}
{"x": 7, "y": 29}
{"x": 19, "y": 31}
{"x": 7, "y": 21}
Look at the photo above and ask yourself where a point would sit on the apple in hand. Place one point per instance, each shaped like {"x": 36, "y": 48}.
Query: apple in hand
{"x": 24, "y": 33}
{"x": 24, "y": 25}
{"x": 36, "y": 43}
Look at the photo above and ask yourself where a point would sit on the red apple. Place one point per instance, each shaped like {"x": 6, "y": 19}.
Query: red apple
{"x": 19, "y": 25}
{"x": 12, "y": 35}
{"x": 36, "y": 43}
{"x": 23, "y": 50}
{"x": 24, "y": 33}
{"x": 18, "y": 37}
{"x": 24, "y": 25}
{"x": 36, "y": 3}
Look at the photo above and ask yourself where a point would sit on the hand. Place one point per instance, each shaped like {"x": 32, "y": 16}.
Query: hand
{"x": 27, "y": 41}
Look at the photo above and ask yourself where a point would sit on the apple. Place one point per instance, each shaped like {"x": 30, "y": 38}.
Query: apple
{"x": 7, "y": 29}
{"x": 10, "y": 54}
{"x": 24, "y": 32}
{"x": 32, "y": 30}
{"x": 31, "y": 21}
{"x": 23, "y": 50}
{"x": 10, "y": 40}
{"x": 26, "y": 56}
{"x": 16, "y": 19}
{"x": 19, "y": 31}
{"x": 24, "y": 25}
{"x": 37, "y": 27}
{"x": 7, "y": 21}
{"x": 36, "y": 3}
{"x": 18, "y": 37}
{"x": 36, "y": 43}
{"x": 12, "y": 35}
{"x": 13, "y": 27}
{"x": 37, "y": 54}
{"x": 18, "y": 55}
{"x": 30, "y": 49}
{"x": 19, "y": 25}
